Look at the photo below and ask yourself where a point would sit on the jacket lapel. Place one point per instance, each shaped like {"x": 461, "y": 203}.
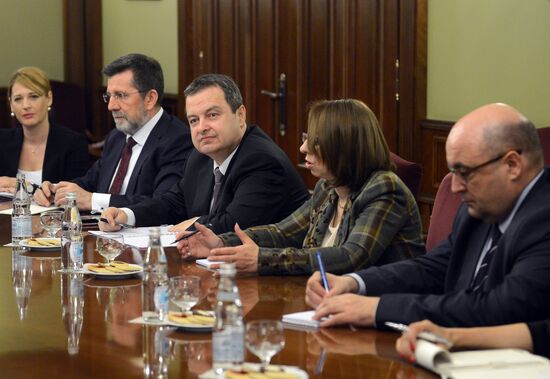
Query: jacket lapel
{"x": 150, "y": 144}
{"x": 203, "y": 192}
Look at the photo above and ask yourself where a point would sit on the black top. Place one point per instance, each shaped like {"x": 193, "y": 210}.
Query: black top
{"x": 66, "y": 155}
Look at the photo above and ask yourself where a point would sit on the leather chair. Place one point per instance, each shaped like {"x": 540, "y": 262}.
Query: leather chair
{"x": 544, "y": 136}
{"x": 446, "y": 205}
{"x": 409, "y": 172}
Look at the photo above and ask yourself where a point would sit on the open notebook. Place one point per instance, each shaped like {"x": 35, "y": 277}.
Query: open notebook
{"x": 481, "y": 364}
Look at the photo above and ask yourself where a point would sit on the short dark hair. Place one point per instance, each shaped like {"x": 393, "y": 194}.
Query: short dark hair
{"x": 225, "y": 83}
{"x": 146, "y": 70}
{"x": 520, "y": 135}
{"x": 346, "y": 136}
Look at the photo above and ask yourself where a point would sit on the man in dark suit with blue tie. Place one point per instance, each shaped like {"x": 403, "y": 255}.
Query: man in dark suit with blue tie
{"x": 237, "y": 174}
{"x": 494, "y": 267}
{"x": 146, "y": 153}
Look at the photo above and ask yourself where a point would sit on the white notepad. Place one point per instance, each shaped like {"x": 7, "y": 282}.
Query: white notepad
{"x": 302, "y": 319}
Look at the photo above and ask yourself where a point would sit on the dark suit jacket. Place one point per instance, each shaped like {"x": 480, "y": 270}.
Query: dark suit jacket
{"x": 160, "y": 164}
{"x": 540, "y": 334}
{"x": 260, "y": 186}
{"x": 66, "y": 155}
{"x": 436, "y": 285}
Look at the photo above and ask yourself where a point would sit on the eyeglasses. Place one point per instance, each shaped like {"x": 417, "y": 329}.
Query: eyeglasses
{"x": 304, "y": 139}
{"x": 464, "y": 173}
{"x": 118, "y": 96}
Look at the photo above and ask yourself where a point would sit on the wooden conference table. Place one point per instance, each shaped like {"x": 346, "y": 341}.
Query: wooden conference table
{"x": 35, "y": 311}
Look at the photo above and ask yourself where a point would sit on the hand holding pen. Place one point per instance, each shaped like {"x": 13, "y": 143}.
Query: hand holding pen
{"x": 322, "y": 271}
{"x": 192, "y": 230}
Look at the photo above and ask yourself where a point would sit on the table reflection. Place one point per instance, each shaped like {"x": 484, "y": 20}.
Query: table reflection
{"x": 21, "y": 271}
{"x": 72, "y": 310}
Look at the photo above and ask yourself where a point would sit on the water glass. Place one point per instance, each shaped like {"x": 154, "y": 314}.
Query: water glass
{"x": 185, "y": 291}
{"x": 109, "y": 246}
{"x": 51, "y": 221}
{"x": 264, "y": 339}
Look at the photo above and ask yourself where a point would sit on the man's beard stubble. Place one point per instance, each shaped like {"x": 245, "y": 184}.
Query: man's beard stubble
{"x": 128, "y": 127}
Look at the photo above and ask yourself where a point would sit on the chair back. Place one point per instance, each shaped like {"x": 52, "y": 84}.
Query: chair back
{"x": 409, "y": 172}
{"x": 446, "y": 205}
{"x": 544, "y": 136}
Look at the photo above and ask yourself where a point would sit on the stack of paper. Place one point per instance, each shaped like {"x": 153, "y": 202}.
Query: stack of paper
{"x": 302, "y": 319}
{"x": 139, "y": 237}
{"x": 481, "y": 364}
{"x": 206, "y": 263}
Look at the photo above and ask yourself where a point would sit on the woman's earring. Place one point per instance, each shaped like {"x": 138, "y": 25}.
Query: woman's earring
{"x": 49, "y": 109}
{"x": 12, "y": 114}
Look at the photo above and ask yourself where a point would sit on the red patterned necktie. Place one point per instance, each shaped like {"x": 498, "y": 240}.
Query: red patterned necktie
{"x": 122, "y": 167}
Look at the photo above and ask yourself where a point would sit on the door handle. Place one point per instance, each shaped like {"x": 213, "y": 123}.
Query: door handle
{"x": 281, "y": 96}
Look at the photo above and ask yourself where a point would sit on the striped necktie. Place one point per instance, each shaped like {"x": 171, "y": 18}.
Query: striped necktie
{"x": 481, "y": 275}
{"x": 218, "y": 178}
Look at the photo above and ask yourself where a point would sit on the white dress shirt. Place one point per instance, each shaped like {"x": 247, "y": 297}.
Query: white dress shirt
{"x": 100, "y": 201}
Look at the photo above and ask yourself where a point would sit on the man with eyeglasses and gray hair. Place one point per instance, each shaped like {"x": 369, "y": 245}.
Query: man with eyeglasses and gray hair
{"x": 143, "y": 156}
{"x": 494, "y": 266}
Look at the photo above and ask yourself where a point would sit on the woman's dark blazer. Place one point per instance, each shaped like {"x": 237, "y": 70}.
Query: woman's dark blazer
{"x": 66, "y": 155}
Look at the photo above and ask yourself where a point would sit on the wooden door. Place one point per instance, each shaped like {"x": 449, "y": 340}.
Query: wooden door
{"x": 324, "y": 49}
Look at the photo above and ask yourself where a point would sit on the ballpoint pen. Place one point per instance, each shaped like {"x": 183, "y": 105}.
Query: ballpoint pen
{"x": 322, "y": 271}
{"x": 123, "y": 225}
{"x": 425, "y": 335}
{"x": 209, "y": 226}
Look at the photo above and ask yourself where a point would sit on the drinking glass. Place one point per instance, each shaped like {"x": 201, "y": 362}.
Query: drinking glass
{"x": 264, "y": 339}
{"x": 185, "y": 291}
{"x": 51, "y": 221}
{"x": 109, "y": 246}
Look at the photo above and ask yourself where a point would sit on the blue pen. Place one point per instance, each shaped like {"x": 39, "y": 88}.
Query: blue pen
{"x": 322, "y": 270}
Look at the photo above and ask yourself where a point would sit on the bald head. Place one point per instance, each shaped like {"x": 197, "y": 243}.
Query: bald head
{"x": 494, "y": 153}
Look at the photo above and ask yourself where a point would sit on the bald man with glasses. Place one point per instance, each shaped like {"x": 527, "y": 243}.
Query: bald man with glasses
{"x": 494, "y": 266}
{"x": 143, "y": 156}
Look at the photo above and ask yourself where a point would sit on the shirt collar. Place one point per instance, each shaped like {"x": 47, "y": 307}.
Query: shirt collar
{"x": 143, "y": 133}
{"x": 508, "y": 220}
{"x": 225, "y": 164}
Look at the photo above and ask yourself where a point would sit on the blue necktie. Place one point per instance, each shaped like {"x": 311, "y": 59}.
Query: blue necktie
{"x": 483, "y": 270}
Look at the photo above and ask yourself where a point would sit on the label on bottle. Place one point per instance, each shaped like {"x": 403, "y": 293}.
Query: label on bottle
{"x": 161, "y": 299}
{"x": 76, "y": 254}
{"x": 228, "y": 345}
{"x": 21, "y": 226}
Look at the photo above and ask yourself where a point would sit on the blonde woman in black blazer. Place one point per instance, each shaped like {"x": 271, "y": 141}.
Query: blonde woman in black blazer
{"x": 38, "y": 148}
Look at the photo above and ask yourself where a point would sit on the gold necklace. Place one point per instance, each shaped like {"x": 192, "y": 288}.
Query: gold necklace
{"x": 33, "y": 151}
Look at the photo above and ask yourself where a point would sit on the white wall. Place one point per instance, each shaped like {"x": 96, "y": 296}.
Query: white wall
{"x": 31, "y": 34}
{"x": 482, "y": 51}
{"x": 147, "y": 27}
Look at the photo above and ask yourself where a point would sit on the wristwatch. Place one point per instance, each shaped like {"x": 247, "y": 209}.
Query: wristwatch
{"x": 31, "y": 187}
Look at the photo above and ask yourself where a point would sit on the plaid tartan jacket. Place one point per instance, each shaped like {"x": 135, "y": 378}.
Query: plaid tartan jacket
{"x": 381, "y": 224}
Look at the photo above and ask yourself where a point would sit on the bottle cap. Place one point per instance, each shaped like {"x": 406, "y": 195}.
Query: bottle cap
{"x": 70, "y": 196}
{"x": 228, "y": 269}
{"x": 20, "y": 176}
